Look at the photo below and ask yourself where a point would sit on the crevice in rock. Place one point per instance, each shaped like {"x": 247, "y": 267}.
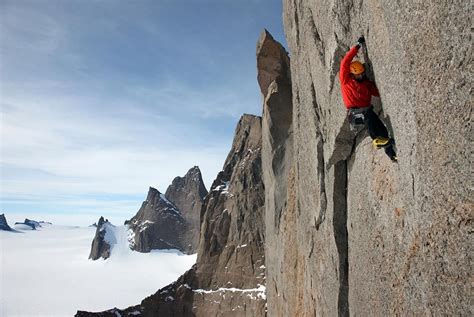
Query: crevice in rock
{"x": 321, "y": 169}
{"x": 317, "y": 38}
{"x": 322, "y": 185}
{"x": 297, "y": 27}
{"x": 311, "y": 250}
{"x": 252, "y": 263}
{"x": 369, "y": 70}
{"x": 341, "y": 235}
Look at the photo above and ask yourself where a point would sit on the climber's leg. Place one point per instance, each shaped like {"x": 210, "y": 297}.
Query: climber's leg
{"x": 375, "y": 126}
{"x": 378, "y": 132}
{"x": 390, "y": 151}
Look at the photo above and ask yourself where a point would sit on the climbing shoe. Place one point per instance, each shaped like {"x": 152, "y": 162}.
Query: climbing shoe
{"x": 380, "y": 142}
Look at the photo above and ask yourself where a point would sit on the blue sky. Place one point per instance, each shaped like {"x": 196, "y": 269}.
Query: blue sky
{"x": 101, "y": 99}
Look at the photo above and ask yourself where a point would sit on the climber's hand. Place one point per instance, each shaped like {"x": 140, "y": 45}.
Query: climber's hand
{"x": 361, "y": 41}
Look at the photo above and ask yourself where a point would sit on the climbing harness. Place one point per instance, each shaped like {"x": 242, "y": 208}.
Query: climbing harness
{"x": 357, "y": 118}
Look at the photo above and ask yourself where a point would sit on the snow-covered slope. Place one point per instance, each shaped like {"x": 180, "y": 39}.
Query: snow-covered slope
{"x": 22, "y": 226}
{"x": 49, "y": 270}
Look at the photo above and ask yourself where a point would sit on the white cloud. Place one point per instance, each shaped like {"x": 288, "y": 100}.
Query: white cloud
{"x": 69, "y": 149}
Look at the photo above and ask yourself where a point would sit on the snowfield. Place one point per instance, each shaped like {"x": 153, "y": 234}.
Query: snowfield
{"x": 46, "y": 272}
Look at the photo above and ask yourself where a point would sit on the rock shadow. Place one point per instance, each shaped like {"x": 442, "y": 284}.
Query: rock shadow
{"x": 378, "y": 106}
{"x": 341, "y": 235}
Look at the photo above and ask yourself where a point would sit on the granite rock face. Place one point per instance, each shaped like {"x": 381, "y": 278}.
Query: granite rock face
{"x": 369, "y": 237}
{"x": 229, "y": 276}
{"x": 4, "y": 224}
{"x": 274, "y": 78}
{"x": 157, "y": 225}
{"x": 231, "y": 252}
{"x": 187, "y": 194}
{"x": 100, "y": 248}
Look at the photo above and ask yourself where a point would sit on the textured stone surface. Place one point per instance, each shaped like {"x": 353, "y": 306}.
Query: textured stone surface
{"x": 187, "y": 193}
{"x": 100, "y": 248}
{"x": 171, "y": 220}
{"x": 232, "y": 216}
{"x": 158, "y": 225}
{"x": 229, "y": 276}
{"x": 370, "y": 237}
{"x": 273, "y": 66}
{"x": 4, "y": 224}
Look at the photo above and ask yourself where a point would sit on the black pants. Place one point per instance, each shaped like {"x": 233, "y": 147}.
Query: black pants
{"x": 376, "y": 129}
{"x": 375, "y": 125}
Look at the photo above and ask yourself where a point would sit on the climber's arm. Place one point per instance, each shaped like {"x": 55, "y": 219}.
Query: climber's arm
{"x": 344, "y": 72}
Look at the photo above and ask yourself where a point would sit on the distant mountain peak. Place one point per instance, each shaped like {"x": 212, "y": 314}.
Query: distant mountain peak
{"x": 33, "y": 224}
{"x": 171, "y": 220}
{"x": 4, "y": 224}
{"x": 100, "y": 248}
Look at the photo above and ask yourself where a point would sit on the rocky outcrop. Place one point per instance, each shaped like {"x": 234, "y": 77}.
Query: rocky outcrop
{"x": 100, "y": 247}
{"x": 364, "y": 236}
{"x": 33, "y": 224}
{"x": 228, "y": 278}
{"x": 4, "y": 224}
{"x": 274, "y": 79}
{"x": 187, "y": 194}
{"x": 157, "y": 225}
{"x": 231, "y": 252}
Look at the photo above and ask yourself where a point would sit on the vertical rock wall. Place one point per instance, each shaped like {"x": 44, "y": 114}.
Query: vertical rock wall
{"x": 232, "y": 217}
{"x": 371, "y": 237}
{"x": 274, "y": 79}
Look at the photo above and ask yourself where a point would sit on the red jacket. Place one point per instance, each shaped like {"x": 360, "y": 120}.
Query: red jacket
{"x": 354, "y": 93}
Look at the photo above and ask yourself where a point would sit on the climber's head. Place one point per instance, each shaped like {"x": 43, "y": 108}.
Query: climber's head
{"x": 357, "y": 69}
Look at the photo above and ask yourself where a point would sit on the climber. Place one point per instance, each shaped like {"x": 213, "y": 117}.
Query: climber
{"x": 357, "y": 91}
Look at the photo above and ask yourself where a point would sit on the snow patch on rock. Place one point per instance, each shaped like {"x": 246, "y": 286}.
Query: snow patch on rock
{"x": 253, "y": 293}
